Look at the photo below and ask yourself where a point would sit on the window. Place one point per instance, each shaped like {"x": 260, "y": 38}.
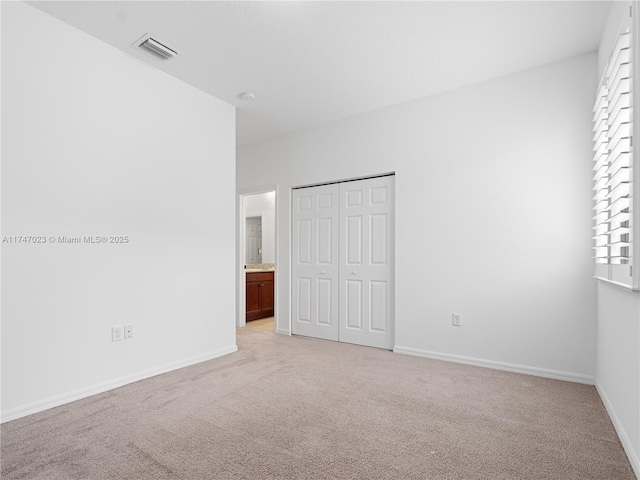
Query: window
{"x": 613, "y": 169}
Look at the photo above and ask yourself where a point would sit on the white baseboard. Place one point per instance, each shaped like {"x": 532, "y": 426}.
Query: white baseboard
{"x": 283, "y": 332}
{"x": 509, "y": 367}
{"x": 622, "y": 434}
{"x": 47, "y": 403}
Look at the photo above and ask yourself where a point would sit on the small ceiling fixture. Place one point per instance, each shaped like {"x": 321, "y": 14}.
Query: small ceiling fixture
{"x": 156, "y": 47}
{"x": 248, "y": 96}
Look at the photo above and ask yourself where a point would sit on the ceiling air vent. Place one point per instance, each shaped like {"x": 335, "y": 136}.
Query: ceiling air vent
{"x": 156, "y": 47}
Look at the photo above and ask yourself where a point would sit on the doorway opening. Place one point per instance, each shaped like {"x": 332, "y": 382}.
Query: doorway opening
{"x": 256, "y": 258}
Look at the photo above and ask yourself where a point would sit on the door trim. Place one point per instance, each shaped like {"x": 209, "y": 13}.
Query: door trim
{"x": 241, "y": 320}
{"x": 354, "y": 179}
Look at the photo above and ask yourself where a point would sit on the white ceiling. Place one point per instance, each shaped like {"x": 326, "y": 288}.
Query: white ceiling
{"x": 315, "y": 62}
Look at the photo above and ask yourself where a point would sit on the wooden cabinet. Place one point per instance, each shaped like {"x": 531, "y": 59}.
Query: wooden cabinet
{"x": 259, "y": 295}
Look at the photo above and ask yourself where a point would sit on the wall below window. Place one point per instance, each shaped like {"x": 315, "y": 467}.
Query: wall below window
{"x": 618, "y": 371}
{"x": 95, "y": 142}
{"x": 493, "y": 214}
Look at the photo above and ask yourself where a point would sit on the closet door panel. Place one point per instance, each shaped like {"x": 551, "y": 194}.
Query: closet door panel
{"x": 366, "y": 210}
{"x": 315, "y": 262}
{"x": 304, "y": 242}
{"x": 380, "y": 262}
{"x": 353, "y": 302}
{"x": 303, "y": 298}
{"x": 353, "y": 281}
{"x": 325, "y": 301}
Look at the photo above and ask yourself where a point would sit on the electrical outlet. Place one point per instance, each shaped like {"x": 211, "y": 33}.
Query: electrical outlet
{"x": 457, "y": 320}
{"x": 128, "y": 331}
{"x": 117, "y": 333}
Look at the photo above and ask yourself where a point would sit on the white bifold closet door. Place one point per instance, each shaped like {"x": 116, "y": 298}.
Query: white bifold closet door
{"x": 343, "y": 244}
{"x": 315, "y": 261}
{"x": 366, "y": 262}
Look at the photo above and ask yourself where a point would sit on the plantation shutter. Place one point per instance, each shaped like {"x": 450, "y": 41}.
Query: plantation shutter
{"x": 612, "y": 166}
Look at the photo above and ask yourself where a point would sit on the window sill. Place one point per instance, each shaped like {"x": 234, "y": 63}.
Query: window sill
{"x": 626, "y": 287}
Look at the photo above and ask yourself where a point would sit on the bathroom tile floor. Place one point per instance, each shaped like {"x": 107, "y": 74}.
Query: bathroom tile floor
{"x": 263, "y": 324}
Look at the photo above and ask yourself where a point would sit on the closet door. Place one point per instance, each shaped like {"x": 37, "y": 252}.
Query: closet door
{"x": 315, "y": 264}
{"x": 366, "y": 262}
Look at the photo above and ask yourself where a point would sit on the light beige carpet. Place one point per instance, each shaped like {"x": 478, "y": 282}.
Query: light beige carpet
{"x": 298, "y": 408}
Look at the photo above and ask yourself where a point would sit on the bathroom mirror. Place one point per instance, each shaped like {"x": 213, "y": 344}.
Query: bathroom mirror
{"x": 254, "y": 240}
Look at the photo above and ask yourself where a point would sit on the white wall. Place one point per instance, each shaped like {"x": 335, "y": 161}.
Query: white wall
{"x": 493, "y": 212}
{"x": 618, "y": 333}
{"x": 95, "y": 142}
{"x": 618, "y": 371}
{"x": 264, "y": 205}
